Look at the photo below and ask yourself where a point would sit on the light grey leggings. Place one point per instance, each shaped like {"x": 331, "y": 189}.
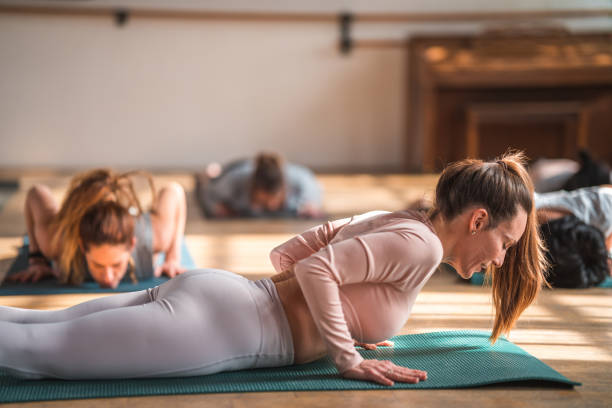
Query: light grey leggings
{"x": 201, "y": 322}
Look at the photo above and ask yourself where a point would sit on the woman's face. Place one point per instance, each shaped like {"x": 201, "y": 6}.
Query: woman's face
{"x": 476, "y": 252}
{"x": 108, "y": 263}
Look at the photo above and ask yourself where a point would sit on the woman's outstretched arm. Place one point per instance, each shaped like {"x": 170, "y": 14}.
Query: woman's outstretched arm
{"x": 307, "y": 243}
{"x": 401, "y": 259}
{"x": 39, "y": 210}
{"x": 168, "y": 219}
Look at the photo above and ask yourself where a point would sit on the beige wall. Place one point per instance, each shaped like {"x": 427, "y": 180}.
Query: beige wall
{"x": 80, "y": 91}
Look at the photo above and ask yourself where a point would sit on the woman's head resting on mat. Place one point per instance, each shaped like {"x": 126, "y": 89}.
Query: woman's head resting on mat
{"x": 95, "y": 228}
{"x": 485, "y": 217}
{"x": 576, "y": 251}
{"x": 106, "y": 239}
{"x": 268, "y": 183}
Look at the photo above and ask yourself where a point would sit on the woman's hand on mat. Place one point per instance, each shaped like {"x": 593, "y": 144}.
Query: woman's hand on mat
{"x": 169, "y": 268}
{"x": 34, "y": 273}
{"x": 370, "y": 346}
{"x": 384, "y": 372}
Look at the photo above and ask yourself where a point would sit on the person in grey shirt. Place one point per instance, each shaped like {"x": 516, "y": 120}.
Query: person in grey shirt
{"x": 265, "y": 186}
{"x": 592, "y": 205}
{"x": 564, "y": 174}
{"x": 577, "y": 229}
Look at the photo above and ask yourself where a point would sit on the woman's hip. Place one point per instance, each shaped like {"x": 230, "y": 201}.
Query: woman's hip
{"x": 241, "y": 323}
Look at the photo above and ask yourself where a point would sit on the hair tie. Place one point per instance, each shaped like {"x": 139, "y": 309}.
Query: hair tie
{"x": 503, "y": 164}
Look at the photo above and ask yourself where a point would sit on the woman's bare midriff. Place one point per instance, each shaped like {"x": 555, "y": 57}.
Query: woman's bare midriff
{"x": 307, "y": 342}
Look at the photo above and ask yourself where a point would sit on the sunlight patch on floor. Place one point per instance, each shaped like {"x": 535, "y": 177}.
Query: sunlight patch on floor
{"x": 239, "y": 253}
{"x": 9, "y": 246}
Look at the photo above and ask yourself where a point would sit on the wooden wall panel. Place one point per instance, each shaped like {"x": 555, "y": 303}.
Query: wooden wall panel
{"x": 469, "y": 98}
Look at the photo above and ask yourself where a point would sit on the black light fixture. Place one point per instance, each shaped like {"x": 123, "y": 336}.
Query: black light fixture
{"x": 346, "y": 42}
{"x": 121, "y": 17}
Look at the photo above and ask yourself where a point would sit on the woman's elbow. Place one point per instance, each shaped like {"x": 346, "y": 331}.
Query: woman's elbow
{"x": 176, "y": 191}
{"x": 37, "y": 192}
{"x": 276, "y": 260}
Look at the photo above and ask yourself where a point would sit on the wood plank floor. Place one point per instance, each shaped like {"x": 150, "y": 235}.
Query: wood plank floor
{"x": 569, "y": 330}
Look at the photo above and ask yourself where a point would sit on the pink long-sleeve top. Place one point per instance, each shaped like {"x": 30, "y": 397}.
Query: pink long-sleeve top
{"x": 360, "y": 276}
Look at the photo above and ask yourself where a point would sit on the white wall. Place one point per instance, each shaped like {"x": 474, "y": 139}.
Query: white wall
{"x": 80, "y": 92}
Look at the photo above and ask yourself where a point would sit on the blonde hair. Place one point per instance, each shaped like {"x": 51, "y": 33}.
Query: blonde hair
{"x": 86, "y": 194}
{"x": 501, "y": 187}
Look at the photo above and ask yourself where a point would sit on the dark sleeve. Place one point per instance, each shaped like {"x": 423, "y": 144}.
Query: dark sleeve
{"x": 142, "y": 255}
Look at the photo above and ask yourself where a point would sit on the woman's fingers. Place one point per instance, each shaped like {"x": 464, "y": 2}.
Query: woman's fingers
{"x": 366, "y": 346}
{"x": 403, "y": 374}
{"x": 421, "y": 375}
{"x": 41, "y": 272}
{"x": 157, "y": 272}
{"x": 169, "y": 269}
{"x": 32, "y": 274}
{"x": 163, "y": 270}
{"x": 376, "y": 375}
{"x": 13, "y": 277}
{"x": 36, "y": 276}
{"x": 174, "y": 270}
{"x": 385, "y": 373}
{"x": 402, "y": 377}
{"x": 389, "y": 376}
{"x": 22, "y": 276}
{"x": 370, "y": 346}
{"x": 27, "y": 276}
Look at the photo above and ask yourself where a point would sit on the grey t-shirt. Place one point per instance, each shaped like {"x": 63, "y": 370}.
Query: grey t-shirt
{"x": 232, "y": 188}
{"x": 592, "y": 205}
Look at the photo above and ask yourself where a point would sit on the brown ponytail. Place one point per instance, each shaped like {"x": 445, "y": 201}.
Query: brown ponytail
{"x": 500, "y": 186}
{"x": 98, "y": 209}
{"x": 519, "y": 280}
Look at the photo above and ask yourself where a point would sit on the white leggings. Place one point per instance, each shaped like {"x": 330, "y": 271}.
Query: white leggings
{"x": 201, "y": 322}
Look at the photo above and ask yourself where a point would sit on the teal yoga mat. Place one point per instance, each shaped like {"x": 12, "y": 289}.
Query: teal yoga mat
{"x": 478, "y": 279}
{"x": 51, "y": 286}
{"x": 453, "y": 359}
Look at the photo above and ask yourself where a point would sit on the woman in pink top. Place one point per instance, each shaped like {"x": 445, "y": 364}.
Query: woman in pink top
{"x": 356, "y": 278}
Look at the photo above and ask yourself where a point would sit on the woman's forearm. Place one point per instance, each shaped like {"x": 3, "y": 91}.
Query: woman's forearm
{"x": 170, "y": 221}
{"x": 307, "y": 243}
{"x": 40, "y": 208}
{"x": 29, "y": 219}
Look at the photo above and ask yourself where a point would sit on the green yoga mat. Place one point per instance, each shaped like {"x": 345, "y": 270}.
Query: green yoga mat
{"x": 51, "y": 286}
{"x": 478, "y": 279}
{"x": 453, "y": 359}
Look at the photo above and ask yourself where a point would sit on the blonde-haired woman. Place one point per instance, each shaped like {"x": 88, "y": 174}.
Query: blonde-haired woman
{"x": 355, "y": 278}
{"x": 101, "y": 232}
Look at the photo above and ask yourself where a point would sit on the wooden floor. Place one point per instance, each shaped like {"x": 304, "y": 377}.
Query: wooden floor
{"x": 569, "y": 330}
